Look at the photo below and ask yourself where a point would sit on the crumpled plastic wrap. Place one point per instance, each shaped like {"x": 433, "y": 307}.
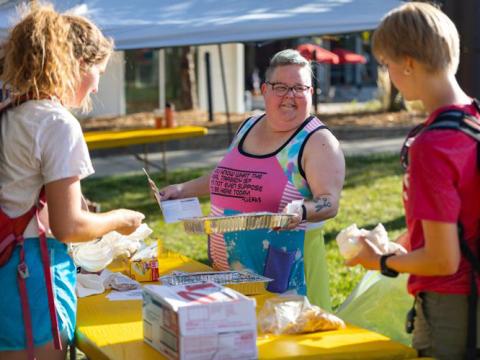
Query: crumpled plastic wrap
{"x": 91, "y": 284}
{"x": 120, "y": 282}
{"x": 147, "y": 252}
{"x": 293, "y": 314}
{"x": 94, "y": 256}
{"x": 350, "y": 245}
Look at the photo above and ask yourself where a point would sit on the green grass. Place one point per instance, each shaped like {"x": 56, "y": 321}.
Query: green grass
{"x": 372, "y": 194}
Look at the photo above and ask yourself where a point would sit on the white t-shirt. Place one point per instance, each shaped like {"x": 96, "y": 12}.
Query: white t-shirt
{"x": 40, "y": 142}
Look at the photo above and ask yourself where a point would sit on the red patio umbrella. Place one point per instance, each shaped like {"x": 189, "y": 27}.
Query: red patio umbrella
{"x": 349, "y": 57}
{"x": 322, "y": 55}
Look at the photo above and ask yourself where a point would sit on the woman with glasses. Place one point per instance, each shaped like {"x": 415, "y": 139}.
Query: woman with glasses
{"x": 281, "y": 156}
{"x": 441, "y": 190}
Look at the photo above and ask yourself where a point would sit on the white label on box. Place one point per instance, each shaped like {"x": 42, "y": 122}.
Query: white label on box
{"x": 176, "y": 210}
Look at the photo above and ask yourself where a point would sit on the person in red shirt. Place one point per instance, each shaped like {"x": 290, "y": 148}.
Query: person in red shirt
{"x": 419, "y": 45}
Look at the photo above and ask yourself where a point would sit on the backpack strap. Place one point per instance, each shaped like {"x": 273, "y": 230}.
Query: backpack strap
{"x": 457, "y": 120}
{"x": 23, "y": 273}
{"x": 461, "y": 121}
{"x": 48, "y": 280}
{"x": 19, "y": 227}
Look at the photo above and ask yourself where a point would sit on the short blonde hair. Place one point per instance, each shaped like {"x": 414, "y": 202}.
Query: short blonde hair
{"x": 420, "y": 31}
{"x": 46, "y": 53}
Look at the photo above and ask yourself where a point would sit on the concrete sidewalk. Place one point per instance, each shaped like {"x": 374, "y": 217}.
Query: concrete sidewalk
{"x": 188, "y": 159}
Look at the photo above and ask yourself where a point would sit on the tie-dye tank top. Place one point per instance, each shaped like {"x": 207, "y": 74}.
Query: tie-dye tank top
{"x": 243, "y": 183}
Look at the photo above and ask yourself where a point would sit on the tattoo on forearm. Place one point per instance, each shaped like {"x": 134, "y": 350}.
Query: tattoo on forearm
{"x": 321, "y": 203}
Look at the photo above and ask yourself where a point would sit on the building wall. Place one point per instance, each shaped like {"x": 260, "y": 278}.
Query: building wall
{"x": 110, "y": 99}
{"x": 233, "y": 60}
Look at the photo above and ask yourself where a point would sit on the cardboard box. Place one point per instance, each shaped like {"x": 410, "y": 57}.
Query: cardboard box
{"x": 200, "y": 321}
{"x": 144, "y": 270}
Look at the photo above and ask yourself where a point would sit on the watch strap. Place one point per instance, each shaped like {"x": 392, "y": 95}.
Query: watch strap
{"x": 384, "y": 269}
{"x": 304, "y": 213}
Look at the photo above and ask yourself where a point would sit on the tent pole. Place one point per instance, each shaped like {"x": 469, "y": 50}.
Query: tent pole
{"x": 209, "y": 86}
{"x": 161, "y": 80}
{"x": 224, "y": 85}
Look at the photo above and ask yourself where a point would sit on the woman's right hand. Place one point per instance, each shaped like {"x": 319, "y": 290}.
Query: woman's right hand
{"x": 129, "y": 220}
{"x": 171, "y": 192}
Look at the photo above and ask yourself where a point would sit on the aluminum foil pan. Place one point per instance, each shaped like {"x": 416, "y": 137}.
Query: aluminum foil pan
{"x": 219, "y": 277}
{"x": 240, "y": 222}
{"x": 245, "y": 282}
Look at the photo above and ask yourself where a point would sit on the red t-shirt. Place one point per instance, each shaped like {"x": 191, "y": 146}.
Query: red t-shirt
{"x": 442, "y": 183}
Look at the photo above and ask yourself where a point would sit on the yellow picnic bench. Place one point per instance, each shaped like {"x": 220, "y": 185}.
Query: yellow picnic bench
{"x": 124, "y": 138}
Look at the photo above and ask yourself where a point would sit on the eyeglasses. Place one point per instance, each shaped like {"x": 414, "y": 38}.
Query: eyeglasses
{"x": 281, "y": 89}
{"x": 408, "y": 142}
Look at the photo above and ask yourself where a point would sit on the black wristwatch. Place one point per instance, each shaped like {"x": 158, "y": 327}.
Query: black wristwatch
{"x": 384, "y": 269}
{"x": 304, "y": 213}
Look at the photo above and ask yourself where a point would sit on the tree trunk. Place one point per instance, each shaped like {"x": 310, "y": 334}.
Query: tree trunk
{"x": 465, "y": 15}
{"x": 188, "y": 94}
{"x": 390, "y": 98}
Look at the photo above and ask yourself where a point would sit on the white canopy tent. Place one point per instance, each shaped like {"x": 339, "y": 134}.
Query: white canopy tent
{"x": 136, "y": 24}
{"x": 164, "y": 23}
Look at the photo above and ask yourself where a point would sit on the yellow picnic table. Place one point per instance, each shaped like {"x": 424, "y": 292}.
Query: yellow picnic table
{"x": 114, "y": 330}
{"x": 124, "y": 138}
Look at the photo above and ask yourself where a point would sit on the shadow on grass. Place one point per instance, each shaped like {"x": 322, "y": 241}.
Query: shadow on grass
{"x": 392, "y": 225}
{"x": 204, "y": 260}
{"x": 361, "y": 170}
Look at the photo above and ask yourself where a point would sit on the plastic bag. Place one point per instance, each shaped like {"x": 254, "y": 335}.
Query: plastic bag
{"x": 380, "y": 304}
{"x": 349, "y": 244}
{"x": 294, "y": 314}
{"x": 94, "y": 256}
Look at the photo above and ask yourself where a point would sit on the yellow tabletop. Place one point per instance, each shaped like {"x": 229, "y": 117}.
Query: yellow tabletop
{"x": 114, "y": 330}
{"x": 123, "y": 138}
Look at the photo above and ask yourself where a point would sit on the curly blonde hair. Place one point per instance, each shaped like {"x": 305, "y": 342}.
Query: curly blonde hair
{"x": 46, "y": 52}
